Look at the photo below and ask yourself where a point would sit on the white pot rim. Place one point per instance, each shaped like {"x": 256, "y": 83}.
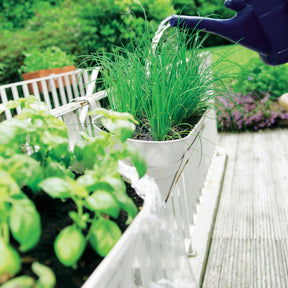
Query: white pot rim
{"x": 196, "y": 129}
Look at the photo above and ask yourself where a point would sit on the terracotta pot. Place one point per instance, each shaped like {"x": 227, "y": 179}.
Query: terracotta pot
{"x": 45, "y": 73}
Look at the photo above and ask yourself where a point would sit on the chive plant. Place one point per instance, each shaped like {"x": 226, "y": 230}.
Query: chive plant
{"x": 163, "y": 88}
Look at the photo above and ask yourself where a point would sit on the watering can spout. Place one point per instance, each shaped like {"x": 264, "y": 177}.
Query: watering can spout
{"x": 259, "y": 25}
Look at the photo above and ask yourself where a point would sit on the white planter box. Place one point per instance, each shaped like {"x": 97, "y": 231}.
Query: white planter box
{"x": 150, "y": 253}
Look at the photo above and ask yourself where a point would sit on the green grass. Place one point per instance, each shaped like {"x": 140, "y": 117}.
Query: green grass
{"x": 242, "y": 63}
{"x": 234, "y": 57}
{"x": 233, "y": 53}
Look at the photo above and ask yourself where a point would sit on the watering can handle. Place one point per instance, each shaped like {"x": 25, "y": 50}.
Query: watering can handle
{"x": 236, "y": 5}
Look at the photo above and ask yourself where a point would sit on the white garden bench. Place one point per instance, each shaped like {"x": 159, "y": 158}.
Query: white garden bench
{"x": 55, "y": 90}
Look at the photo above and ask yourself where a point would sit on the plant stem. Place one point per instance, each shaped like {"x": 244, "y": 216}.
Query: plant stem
{"x": 4, "y": 228}
{"x": 96, "y": 216}
{"x": 4, "y": 232}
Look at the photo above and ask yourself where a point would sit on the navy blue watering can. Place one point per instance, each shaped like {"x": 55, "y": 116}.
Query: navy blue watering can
{"x": 259, "y": 25}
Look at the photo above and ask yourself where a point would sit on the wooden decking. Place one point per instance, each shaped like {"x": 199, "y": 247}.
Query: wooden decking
{"x": 249, "y": 246}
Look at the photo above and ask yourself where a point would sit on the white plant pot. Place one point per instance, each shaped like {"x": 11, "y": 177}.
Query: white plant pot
{"x": 165, "y": 159}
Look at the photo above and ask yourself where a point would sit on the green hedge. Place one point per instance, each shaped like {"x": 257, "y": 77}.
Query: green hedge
{"x": 80, "y": 27}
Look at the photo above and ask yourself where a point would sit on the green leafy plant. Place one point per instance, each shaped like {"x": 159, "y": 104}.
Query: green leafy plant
{"x": 51, "y": 57}
{"x": 162, "y": 89}
{"x": 30, "y": 145}
{"x": 18, "y": 214}
{"x": 35, "y": 153}
{"x": 111, "y": 24}
{"x": 99, "y": 190}
{"x": 260, "y": 78}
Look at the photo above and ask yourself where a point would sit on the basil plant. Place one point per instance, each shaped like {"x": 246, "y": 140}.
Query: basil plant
{"x": 35, "y": 153}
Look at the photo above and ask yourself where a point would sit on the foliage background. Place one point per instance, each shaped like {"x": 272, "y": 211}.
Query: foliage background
{"x": 80, "y": 27}
{"x": 254, "y": 91}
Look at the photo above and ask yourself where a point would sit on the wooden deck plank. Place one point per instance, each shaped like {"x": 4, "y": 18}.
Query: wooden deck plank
{"x": 249, "y": 244}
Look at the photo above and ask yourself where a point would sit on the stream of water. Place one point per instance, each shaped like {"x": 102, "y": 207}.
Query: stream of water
{"x": 164, "y": 25}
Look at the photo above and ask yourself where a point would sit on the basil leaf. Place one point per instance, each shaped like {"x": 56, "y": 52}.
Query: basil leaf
{"x": 127, "y": 204}
{"x": 20, "y": 282}
{"x": 56, "y": 187}
{"x": 123, "y": 129}
{"x": 89, "y": 180}
{"x": 92, "y": 151}
{"x": 115, "y": 182}
{"x": 119, "y": 193}
{"x": 46, "y": 276}
{"x": 25, "y": 224}
{"x": 13, "y": 134}
{"x": 104, "y": 202}
{"x": 60, "y": 152}
{"x": 10, "y": 262}
{"x": 69, "y": 245}
{"x": 8, "y": 186}
{"x": 103, "y": 236}
{"x": 25, "y": 170}
{"x": 136, "y": 158}
{"x": 78, "y": 149}
{"x": 55, "y": 169}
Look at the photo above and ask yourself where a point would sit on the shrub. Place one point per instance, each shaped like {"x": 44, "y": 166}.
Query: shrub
{"x": 15, "y": 13}
{"x": 77, "y": 27}
{"x": 249, "y": 112}
{"x": 51, "y": 26}
{"x": 11, "y": 56}
{"x": 109, "y": 24}
{"x": 51, "y": 57}
{"x": 259, "y": 77}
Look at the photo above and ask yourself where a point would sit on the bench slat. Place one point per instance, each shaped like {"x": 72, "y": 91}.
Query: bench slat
{"x": 36, "y": 90}
{"x": 68, "y": 87}
{"x": 52, "y": 88}
{"x": 25, "y": 90}
{"x": 62, "y": 92}
{"x": 46, "y": 94}
{"x": 16, "y": 96}
{"x": 74, "y": 84}
{"x": 5, "y": 100}
{"x": 81, "y": 85}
